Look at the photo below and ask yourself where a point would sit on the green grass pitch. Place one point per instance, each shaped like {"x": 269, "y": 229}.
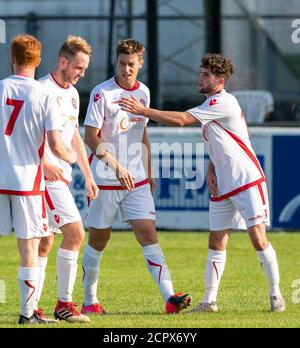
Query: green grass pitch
{"x": 132, "y": 299}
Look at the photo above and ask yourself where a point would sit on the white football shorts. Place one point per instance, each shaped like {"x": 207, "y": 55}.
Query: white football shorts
{"x": 60, "y": 204}
{"x": 134, "y": 205}
{"x": 241, "y": 211}
{"x": 26, "y": 214}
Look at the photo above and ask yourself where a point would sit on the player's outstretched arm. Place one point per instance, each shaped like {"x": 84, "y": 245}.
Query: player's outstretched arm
{"x": 168, "y": 118}
{"x": 58, "y": 147}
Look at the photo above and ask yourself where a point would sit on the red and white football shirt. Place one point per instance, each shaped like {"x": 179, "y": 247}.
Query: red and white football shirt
{"x": 67, "y": 99}
{"x": 26, "y": 112}
{"x": 122, "y": 132}
{"x": 229, "y": 147}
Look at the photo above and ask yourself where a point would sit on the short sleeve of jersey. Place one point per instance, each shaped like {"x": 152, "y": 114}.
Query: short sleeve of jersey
{"x": 52, "y": 114}
{"x": 96, "y": 109}
{"x": 213, "y": 108}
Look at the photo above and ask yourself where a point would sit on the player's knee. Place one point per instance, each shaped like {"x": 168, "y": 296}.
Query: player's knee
{"x": 151, "y": 240}
{"x": 259, "y": 243}
{"x": 147, "y": 239}
{"x": 100, "y": 243}
{"x": 216, "y": 242}
{"x": 45, "y": 246}
{"x": 98, "y": 239}
{"x": 216, "y": 245}
{"x": 105, "y": 240}
{"x": 75, "y": 238}
{"x": 79, "y": 237}
{"x": 258, "y": 237}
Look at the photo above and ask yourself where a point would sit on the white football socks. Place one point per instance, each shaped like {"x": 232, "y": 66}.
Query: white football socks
{"x": 158, "y": 268}
{"x": 66, "y": 265}
{"x": 269, "y": 263}
{"x": 215, "y": 266}
{"x": 27, "y": 279}
{"x": 42, "y": 263}
{"x": 90, "y": 264}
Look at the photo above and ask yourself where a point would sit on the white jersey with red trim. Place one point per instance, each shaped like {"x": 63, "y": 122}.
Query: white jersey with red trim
{"x": 229, "y": 147}
{"x": 122, "y": 132}
{"x": 67, "y": 99}
{"x": 26, "y": 112}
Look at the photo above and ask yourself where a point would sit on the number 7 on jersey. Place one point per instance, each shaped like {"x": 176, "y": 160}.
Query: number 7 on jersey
{"x": 17, "y": 104}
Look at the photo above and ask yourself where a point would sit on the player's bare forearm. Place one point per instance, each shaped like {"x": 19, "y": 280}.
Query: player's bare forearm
{"x": 211, "y": 168}
{"x": 124, "y": 176}
{"x": 168, "y": 118}
{"x": 146, "y": 158}
{"x": 91, "y": 138}
{"x": 93, "y": 141}
{"x": 212, "y": 179}
{"x": 146, "y": 154}
{"x": 98, "y": 148}
{"x": 58, "y": 147}
{"x": 82, "y": 160}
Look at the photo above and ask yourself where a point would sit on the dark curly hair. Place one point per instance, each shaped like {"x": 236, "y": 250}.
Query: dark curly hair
{"x": 218, "y": 65}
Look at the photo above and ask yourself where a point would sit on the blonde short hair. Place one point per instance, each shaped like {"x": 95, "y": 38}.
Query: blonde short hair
{"x": 73, "y": 45}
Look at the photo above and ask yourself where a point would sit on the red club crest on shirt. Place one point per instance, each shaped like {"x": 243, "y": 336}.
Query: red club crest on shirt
{"x": 97, "y": 96}
{"x": 213, "y": 101}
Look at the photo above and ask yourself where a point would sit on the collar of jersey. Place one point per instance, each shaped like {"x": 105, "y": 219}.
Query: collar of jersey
{"x": 61, "y": 86}
{"x": 136, "y": 85}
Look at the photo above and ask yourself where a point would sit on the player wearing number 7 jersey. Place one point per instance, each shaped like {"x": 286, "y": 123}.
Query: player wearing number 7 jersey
{"x": 27, "y": 112}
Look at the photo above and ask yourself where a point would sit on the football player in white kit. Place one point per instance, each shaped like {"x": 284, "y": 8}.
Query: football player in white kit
{"x": 235, "y": 178}
{"x": 26, "y": 113}
{"x": 73, "y": 60}
{"x": 117, "y": 140}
